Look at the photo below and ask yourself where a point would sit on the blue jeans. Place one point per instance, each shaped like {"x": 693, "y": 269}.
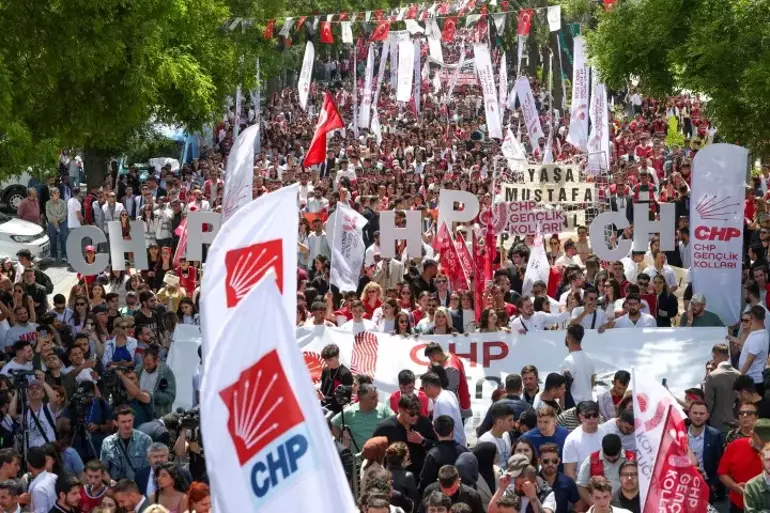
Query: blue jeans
{"x": 58, "y": 240}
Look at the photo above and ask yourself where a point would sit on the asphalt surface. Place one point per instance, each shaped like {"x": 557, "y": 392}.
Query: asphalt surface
{"x": 63, "y": 278}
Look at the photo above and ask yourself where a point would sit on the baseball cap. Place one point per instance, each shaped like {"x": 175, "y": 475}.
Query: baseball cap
{"x": 516, "y": 464}
{"x": 90, "y": 249}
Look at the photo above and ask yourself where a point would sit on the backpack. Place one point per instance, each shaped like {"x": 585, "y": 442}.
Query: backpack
{"x": 597, "y": 464}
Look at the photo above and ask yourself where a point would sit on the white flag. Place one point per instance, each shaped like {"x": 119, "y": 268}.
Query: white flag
{"x": 347, "y": 32}
{"x": 268, "y": 447}
{"x": 554, "y": 17}
{"x": 239, "y": 178}
{"x": 598, "y": 146}
{"x": 529, "y": 110}
{"x": 487, "y": 79}
{"x": 259, "y": 237}
{"x": 380, "y": 75}
{"x": 413, "y": 27}
{"x": 513, "y": 152}
{"x": 432, "y": 29}
{"x": 456, "y": 74}
{"x": 347, "y": 246}
{"x": 435, "y": 50}
{"x": 306, "y": 74}
{"x": 286, "y": 30}
{"x": 366, "y": 100}
{"x": 538, "y": 267}
{"x": 578, "y": 112}
{"x": 237, "y": 122}
{"x": 376, "y": 130}
{"x": 503, "y": 86}
{"x": 405, "y": 70}
{"x": 548, "y": 153}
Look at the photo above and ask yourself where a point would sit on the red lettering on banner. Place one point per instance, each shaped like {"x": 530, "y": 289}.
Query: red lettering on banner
{"x": 416, "y": 354}
{"x": 716, "y": 233}
{"x": 486, "y": 352}
{"x": 490, "y": 351}
{"x": 471, "y": 356}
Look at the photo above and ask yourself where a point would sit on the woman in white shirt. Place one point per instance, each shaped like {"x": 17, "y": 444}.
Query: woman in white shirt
{"x": 384, "y": 317}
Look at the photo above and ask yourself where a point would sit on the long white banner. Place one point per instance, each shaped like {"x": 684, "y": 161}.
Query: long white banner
{"x": 529, "y": 110}
{"x": 366, "y": 100}
{"x": 306, "y": 74}
{"x": 405, "y": 70}
{"x": 487, "y": 79}
{"x": 599, "y": 140}
{"x": 578, "y": 111}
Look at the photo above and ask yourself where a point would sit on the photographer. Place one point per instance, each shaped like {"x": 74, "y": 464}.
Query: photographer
{"x": 22, "y": 361}
{"x": 39, "y": 419}
{"x": 139, "y": 400}
{"x": 188, "y": 446}
{"x": 333, "y": 375}
{"x": 156, "y": 377}
{"x": 55, "y": 377}
{"x": 357, "y": 421}
{"x": 88, "y": 413}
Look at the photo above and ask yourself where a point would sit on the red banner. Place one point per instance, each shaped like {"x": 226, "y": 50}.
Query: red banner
{"x": 326, "y": 32}
{"x": 450, "y": 26}
{"x": 525, "y": 22}
{"x": 381, "y": 31}
{"x": 466, "y": 263}
{"x": 478, "y": 278}
{"x": 448, "y": 258}
{"x": 268, "y": 34}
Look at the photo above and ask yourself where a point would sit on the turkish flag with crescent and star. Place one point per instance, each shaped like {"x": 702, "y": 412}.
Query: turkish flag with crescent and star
{"x": 329, "y": 119}
{"x": 326, "y": 32}
{"x": 268, "y": 34}
{"x": 525, "y": 22}
{"x": 381, "y": 31}
{"x": 450, "y": 26}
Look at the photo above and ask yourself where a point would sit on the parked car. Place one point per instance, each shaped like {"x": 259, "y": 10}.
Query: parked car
{"x": 14, "y": 190}
{"x": 17, "y": 234}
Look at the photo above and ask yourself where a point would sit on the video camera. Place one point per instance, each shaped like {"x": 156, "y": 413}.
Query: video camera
{"x": 20, "y": 378}
{"x": 343, "y": 395}
{"x": 190, "y": 419}
{"x": 114, "y": 391}
{"x": 83, "y": 396}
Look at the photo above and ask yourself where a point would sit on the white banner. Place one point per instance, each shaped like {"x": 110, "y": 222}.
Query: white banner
{"x": 347, "y": 245}
{"x": 413, "y": 27}
{"x": 554, "y": 17}
{"x": 578, "y": 125}
{"x": 380, "y": 76}
{"x": 417, "y": 94}
{"x": 514, "y": 152}
{"x": 456, "y": 74}
{"x": 434, "y": 50}
{"x": 237, "y": 119}
{"x": 672, "y": 353}
{"x": 366, "y": 100}
{"x": 405, "y": 71}
{"x": 347, "y": 32}
{"x": 306, "y": 74}
{"x": 376, "y": 129}
{"x": 538, "y": 267}
{"x": 503, "y": 84}
{"x": 716, "y": 223}
{"x": 529, "y": 110}
{"x": 487, "y": 79}
{"x": 267, "y": 442}
{"x": 260, "y": 236}
{"x": 239, "y": 178}
{"x": 599, "y": 141}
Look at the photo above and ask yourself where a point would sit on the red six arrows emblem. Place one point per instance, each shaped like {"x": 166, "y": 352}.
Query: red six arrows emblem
{"x": 246, "y": 266}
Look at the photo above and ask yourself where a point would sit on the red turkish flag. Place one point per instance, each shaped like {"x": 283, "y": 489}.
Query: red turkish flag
{"x": 301, "y": 21}
{"x": 268, "y": 34}
{"x": 329, "y": 119}
{"x": 450, "y": 26}
{"x": 381, "y": 31}
{"x": 378, "y": 15}
{"x": 326, "y": 32}
{"x": 412, "y": 12}
{"x": 343, "y": 16}
{"x": 525, "y": 22}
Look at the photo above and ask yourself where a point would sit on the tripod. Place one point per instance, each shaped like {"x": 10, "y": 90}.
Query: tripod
{"x": 81, "y": 429}
{"x": 22, "y": 432}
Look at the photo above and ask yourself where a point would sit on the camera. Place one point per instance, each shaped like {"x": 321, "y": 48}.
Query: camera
{"x": 113, "y": 388}
{"x": 80, "y": 399}
{"x": 190, "y": 419}
{"x": 343, "y": 395}
{"x": 20, "y": 378}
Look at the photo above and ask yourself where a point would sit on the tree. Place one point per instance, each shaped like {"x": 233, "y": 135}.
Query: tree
{"x": 715, "y": 47}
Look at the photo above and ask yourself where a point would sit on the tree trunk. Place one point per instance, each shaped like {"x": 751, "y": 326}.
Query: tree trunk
{"x": 96, "y": 164}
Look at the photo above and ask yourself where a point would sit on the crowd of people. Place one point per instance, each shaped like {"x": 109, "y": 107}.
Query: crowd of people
{"x": 87, "y": 396}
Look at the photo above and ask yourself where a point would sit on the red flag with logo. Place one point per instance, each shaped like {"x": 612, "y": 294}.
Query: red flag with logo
{"x": 525, "y": 22}
{"x": 326, "y": 32}
{"x": 450, "y": 26}
{"x": 329, "y": 119}
{"x": 450, "y": 262}
{"x": 381, "y": 31}
{"x": 268, "y": 34}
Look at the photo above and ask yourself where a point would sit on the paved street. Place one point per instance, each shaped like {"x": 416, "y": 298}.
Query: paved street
{"x": 63, "y": 278}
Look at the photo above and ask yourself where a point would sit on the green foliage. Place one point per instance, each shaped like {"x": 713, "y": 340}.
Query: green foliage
{"x": 715, "y": 47}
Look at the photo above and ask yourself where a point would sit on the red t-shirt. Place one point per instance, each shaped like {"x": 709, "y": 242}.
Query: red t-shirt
{"x": 741, "y": 462}
{"x": 395, "y": 396}
{"x": 90, "y": 501}
{"x": 749, "y": 209}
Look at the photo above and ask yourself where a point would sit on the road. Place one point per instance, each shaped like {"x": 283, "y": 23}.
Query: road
{"x": 63, "y": 278}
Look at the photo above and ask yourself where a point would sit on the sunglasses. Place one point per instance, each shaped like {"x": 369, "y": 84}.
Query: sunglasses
{"x": 413, "y": 413}
{"x": 549, "y": 461}
{"x": 591, "y": 415}
{"x": 80, "y": 304}
{"x": 746, "y": 413}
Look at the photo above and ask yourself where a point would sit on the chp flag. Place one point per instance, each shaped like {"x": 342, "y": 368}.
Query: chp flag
{"x": 239, "y": 178}
{"x": 347, "y": 243}
{"x": 268, "y": 447}
{"x": 669, "y": 479}
{"x": 260, "y": 237}
{"x": 328, "y": 119}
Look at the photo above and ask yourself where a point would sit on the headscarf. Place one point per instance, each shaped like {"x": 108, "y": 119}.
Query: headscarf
{"x": 374, "y": 449}
{"x": 468, "y": 467}
{"x": 486, "y": 455}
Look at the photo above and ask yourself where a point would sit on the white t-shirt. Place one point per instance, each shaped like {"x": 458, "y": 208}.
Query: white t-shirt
{"x": 628, "y": 442}
{"x": 358, "y": 327}
{"x": 767, "y": 314}
{"x": 645, "y": 321}
{"x": 588, "y": 321}
{"x": 581, "y": 366}
{"x": 446, "y": 404}
{"x": 12, "y": 366}
{"x": 73, "y": 206}
{"x": 503, "y": 445}
{"x": 579, "y": 445}
{"x": 756, "y": 344}
{"x": 666, "y": 272}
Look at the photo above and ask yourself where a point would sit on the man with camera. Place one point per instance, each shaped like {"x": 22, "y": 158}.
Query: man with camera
{"x": 139, "y": 400}
{"x": 39, "y": 419}
{"x": 357, "y": 421}
{"x": 90, "y": 420}
{"x": 157, "y": 378}
{"x": 333, "y": 375}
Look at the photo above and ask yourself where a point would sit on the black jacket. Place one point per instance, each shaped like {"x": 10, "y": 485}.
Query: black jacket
{"x": 394, "y": 431}
{"x": 668, "y": 306}
{"x": 405, "y": 482}
{"x": 330, "y": 380}
{"x": 445, "y": 452}
{"x": 465, "y": 494}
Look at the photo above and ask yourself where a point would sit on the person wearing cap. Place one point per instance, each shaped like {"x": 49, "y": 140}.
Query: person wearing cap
{"x": 605, "y": 463}
{"x": 697, "y": 316}
{"x": 521, "y": 479}
{"x": 584, "y": 440}
{"x": 742, "y": 462}
{"x": 39, "y": 418}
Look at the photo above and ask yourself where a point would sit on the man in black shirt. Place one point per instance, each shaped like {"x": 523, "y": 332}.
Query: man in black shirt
{"x": 410, "y": 427}
{"x": 333, "y": 376}
{"x": 148, "y": 316}
{"x": 425, "y": 282}
{"x": 627, "y": 497}
{"x": 444, "y": 452}
{"x": 747, "y": 393}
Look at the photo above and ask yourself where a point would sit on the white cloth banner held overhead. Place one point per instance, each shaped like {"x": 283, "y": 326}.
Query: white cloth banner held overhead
{"x": 598, "y": 147}
{"x": 366, "y": 100}
{"x": 538, "y": 267}
{"x": 578, "y": 112}
{"x": 716, "y": 222}
{"x": 306, "y": 74}
{"x": 486, "y": 75}
{"x": 259, "y": 237}
{"x": 529, "y": 110}
{"x": 554, "y": 17}
{"x": 239, "y": 178}
{"x": 237, "y": 119}
{"x": 503, "y": 84}
{"x": 405, "y": 70}
{"x": 513, "y": 152}
{"x": 347, "y": 33}
{"x": 380, "y": 75}
{"x": 347, "y": 246}
{"x": 268, "y": 444}
{"x": 417, "y": 78}
{"x": 456, "y": 74}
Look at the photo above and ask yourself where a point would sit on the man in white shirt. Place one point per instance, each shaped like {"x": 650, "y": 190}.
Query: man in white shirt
{"x": 570, "y": 256}
{"x": 444, "y": 403}
{"x": 589, "y": 316}
{"x": 502, "y": 424}
{"x": 372, "y": 250}
{"x": 74, "y": 210}
{"x": 635, "y": 318}
{"x": 358, "y": 324}
{"x": 530, "y": 320}
{"x": 664, "y": 270}
{"x": 579, "y": 364}
{"x": 583, "y": 441}
{"x": 753, "y": 356}
{"x": 576, "y": 282}
{"x": 42, "y": 487}
{"x": 751, "y": 293}
{"x": 317, "y": 242}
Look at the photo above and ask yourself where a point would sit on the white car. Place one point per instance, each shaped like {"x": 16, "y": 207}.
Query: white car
{"x": 17, "y": 234}
{"x": 14, "y": 190}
